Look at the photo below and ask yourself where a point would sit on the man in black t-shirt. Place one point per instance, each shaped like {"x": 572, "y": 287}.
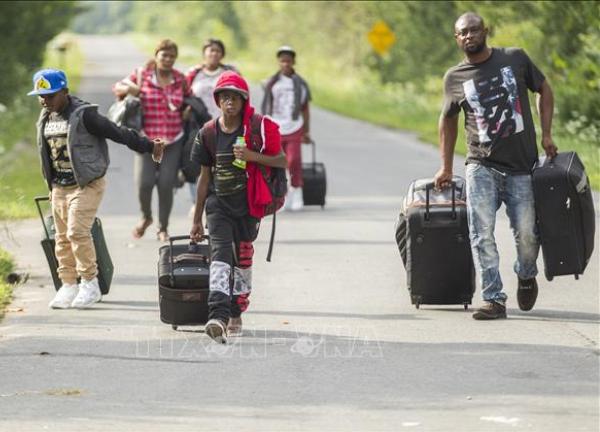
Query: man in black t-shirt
{"x": 491, "y": 87}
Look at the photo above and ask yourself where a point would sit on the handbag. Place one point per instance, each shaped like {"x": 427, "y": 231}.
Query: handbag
{"x": 128, "y": 111}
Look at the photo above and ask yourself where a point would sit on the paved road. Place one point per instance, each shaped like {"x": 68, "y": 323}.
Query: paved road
{"x": 331, "y": 342}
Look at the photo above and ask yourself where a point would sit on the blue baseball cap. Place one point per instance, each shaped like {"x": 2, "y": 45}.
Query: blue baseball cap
{"x": 48, "y": 81}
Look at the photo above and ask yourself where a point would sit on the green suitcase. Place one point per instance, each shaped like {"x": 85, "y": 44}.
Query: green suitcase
{"x": 105, "y": 264}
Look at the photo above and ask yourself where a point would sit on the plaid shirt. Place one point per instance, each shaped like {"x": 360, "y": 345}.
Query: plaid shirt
{"x": 162, "y": 106}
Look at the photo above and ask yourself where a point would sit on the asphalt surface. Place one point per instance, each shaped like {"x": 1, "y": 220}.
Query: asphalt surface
{"x": 331, "y": 340}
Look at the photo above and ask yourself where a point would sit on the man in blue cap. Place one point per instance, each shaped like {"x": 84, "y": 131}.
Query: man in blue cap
{"x": 71, "y": 138}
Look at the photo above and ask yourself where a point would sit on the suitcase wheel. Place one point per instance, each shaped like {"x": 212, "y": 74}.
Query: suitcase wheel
{"x": 466, "y": 306}
{"x": 174, "y": 327}
{"x": 417, "y": 305}
{"x": 549, "y": 277}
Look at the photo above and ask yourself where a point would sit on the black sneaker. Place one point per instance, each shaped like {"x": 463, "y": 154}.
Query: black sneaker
{"x": 490, "y": 310}
{"x": 527, "y": 293}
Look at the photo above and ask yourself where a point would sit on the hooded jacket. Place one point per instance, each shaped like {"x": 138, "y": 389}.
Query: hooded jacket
{"x": 257, "y": 191}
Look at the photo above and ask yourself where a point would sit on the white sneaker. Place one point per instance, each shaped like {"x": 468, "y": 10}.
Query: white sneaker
{"x": 64, "y": 297}
{"x": 296, "y": 200}
{"x": 288, "y": 199}
{"x": 89, "y": 293}
{"x": 216, "y": 330}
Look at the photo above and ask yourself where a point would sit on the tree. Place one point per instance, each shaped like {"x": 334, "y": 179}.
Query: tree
{"x": 27, "y": 27}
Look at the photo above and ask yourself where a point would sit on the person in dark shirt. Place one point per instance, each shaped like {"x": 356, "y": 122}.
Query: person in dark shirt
{"x": 491, "y": 87}
{"x": 232, "y": 186}
{"x": 74, "y": 157}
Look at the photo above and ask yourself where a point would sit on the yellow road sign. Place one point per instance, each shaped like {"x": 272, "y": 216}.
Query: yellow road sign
{"x": 381, "y": 37}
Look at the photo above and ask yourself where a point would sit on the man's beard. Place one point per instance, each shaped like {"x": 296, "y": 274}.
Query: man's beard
{"x": 475, "y": 49}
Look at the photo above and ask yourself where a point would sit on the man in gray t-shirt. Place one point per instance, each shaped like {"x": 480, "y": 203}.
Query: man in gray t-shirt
{"x": 491, "y": 87}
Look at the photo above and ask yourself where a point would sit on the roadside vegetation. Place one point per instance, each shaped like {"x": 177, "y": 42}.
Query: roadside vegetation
{"x": 402, "y": 88}
{"x": 6, "y": 267}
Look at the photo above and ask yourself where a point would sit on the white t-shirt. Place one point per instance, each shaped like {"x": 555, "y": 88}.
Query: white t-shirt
{"x": 203, "y": 85}
{"x": 283, "y": 105}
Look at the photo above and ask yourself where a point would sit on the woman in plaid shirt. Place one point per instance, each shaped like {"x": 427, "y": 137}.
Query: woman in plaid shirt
{"x": 161, "y": 89}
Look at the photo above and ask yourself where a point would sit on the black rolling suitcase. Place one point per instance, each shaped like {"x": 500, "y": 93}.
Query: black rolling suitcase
{"x": 565, "y": 213}
{"x": 315, "y": 181}
{"x": 183, "y": 282}
{"x": 105, "y": 265}
{"x": 433, "y": 238}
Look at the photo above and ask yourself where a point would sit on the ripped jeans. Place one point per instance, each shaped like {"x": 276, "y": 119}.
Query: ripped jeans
{"x": 487, "y": 189}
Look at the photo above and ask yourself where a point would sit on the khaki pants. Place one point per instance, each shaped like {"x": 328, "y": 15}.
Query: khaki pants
{"x": 74, "y": 210}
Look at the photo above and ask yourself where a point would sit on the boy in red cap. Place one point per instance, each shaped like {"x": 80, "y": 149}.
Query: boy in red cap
{"x": 234, "y": 198}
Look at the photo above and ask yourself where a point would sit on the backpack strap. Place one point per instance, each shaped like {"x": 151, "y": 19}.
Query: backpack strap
{"x": 139, "y": 77}
{"x": 184, "y": 85}
{"x": 255, "y": 132}
{"x": 256, "y": 139}
{"x": 257, "y": 143}
{"x": 209, "y": 137}
{"x": 272, "y": 239}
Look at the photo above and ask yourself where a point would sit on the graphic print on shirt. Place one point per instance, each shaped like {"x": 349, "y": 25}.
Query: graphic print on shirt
{"x": 55, "y": 132}
{"x": 283, "y": 106}
{"x": 283, "y": 98}
{"x": 496, "y": 105}
{"x": 228, "y": 178}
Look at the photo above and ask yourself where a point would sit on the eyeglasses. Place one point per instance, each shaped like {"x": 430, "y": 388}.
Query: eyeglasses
{"x": 229, "y": 96}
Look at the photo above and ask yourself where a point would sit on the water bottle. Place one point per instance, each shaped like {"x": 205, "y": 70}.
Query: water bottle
{"x": 239, "y": 163}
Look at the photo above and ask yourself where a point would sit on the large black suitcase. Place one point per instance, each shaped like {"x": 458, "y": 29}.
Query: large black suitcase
{"x": 183, "y": 282}
{"x": 565, "y": 213}
{"x": 433, "y": 238}
{"x": 315, "y": 181}
{"x": 106, "y": 268}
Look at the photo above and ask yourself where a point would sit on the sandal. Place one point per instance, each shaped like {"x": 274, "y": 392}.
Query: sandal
{"x": 162, "y": 236}
{"x": 140, "y": 229}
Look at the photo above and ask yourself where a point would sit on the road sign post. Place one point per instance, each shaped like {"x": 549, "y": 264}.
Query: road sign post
{"x": 381, "y": 38}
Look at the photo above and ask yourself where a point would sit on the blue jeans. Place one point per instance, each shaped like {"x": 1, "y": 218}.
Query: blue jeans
{"x": 487, "y": 189}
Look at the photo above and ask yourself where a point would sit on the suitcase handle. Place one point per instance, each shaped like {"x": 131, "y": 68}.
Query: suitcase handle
{"x": 428, "y": 188}
{"x": 190, "y": 257}
{"x": 37, "y": 200}
{"x": 191, "y": 249}
{"x": 314, "y": 155}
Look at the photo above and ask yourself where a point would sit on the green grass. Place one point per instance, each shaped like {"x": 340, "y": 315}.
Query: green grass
{"x": 19, "y": 184}
{"x": 588, "y": 153}
{"x": 6, "y": 266}
{"x": 378, "y": 108}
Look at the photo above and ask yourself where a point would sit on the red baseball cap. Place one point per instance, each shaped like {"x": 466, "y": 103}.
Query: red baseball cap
{"x": 230, "y": 80}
